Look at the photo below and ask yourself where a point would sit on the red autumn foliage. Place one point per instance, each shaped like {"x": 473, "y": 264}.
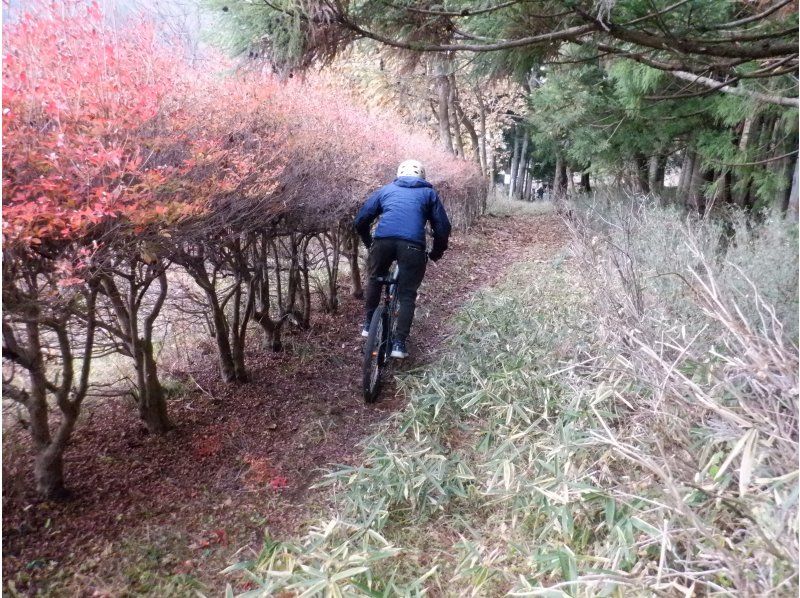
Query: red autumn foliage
{"x": 81, "y": 105}
{"x": 259, "y": 470}
{"x": 101, "y": 123}
{"x": 207, "y": 446}
{"x": 278, "y": 482}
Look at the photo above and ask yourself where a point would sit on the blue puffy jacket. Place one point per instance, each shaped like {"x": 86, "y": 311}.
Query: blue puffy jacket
{"x": 405, "y": 205}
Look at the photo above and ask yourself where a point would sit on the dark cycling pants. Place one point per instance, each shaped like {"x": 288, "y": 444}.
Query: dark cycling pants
{"x": 411, "y": 260}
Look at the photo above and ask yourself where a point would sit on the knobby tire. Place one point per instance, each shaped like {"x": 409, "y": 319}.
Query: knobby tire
{"x": 374, "y": 356}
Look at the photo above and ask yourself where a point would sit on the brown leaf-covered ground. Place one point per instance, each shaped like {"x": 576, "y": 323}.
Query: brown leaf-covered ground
{"x": 163, "y": 515}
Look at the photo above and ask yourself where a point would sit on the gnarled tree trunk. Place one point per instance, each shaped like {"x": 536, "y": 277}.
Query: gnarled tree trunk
{"x": 136, "y": 338}
{"x": 352, "y": 246}
{"x": 41, "y": 345}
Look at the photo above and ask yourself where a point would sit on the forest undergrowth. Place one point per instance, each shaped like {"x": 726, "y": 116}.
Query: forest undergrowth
{"x": 619, "y": 419}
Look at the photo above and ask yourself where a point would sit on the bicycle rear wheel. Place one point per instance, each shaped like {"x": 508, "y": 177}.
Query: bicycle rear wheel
{"x": 374, "y": 355}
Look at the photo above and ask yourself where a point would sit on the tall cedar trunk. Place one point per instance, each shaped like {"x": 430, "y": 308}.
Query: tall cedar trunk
{"x": 695, "y": 196}
{"x": 792, "y": 207}
{"x": 642, "y": 173}
{"x": 783, "y": 166}
{"x": 443, "y": 107}
{"x": 750, "y": 133}
{"x": 482, "y": 135}
{"x": 526, "y": 192}
{"x": 473, "y": 137}
{"x": 560, "y": 178}
{"x": 686, "y": 176}
{"x": 652, "y": 167}
{"x": 514, "y": 162}
{"x": 760, "y": 141}
{"x": 656, "y": 172}
{"x": 519, "y": 187}
{"x": 458, "y": 140}
{"x": 586, "y": 185}
{"x": 722, "y": 190}
{"x": 791, "y": 166}
{"x": 782, "y": 170}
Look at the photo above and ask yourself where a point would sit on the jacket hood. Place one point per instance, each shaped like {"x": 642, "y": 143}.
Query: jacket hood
{"x": 411, "y": 181}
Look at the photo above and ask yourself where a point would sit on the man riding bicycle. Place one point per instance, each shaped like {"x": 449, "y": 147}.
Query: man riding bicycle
{"x": 404, "y": 206}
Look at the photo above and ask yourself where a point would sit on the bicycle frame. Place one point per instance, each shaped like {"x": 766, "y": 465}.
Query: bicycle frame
{"x": 377, "y": 349}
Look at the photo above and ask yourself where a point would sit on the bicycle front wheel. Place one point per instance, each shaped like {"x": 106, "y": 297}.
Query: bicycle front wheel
{"x": 374, "y": 354}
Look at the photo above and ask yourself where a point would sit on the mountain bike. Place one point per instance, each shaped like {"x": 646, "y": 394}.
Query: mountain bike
{"x": 382, "y": 329}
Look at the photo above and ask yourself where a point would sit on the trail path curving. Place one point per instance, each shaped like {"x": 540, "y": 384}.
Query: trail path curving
{"x": 152, "y": 514}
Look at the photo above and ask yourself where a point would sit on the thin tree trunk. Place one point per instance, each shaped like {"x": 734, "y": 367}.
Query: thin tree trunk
{"x": 473, "y": 137}
{"x": 443, "y": 107}
{"x": 527, "y": 192}
{"x": 515, "y": 160}
{"x": 519, "y": 187}
{"x": 482, "y": 134}
{"x": 560, "y": 178}
{"x": 792, "y": 203}
{"x": 455, "y": 118}
{"x": 356, "y": 286}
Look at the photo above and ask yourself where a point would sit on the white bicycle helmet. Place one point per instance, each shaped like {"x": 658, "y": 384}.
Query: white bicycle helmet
{"x": 411, "y": 168}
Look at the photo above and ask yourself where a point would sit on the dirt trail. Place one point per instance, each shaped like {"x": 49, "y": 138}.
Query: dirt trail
{"x": 155, "y": 515}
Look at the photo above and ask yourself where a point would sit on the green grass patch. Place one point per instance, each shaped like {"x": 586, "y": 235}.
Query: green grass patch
{"x": 568, "y": 444}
